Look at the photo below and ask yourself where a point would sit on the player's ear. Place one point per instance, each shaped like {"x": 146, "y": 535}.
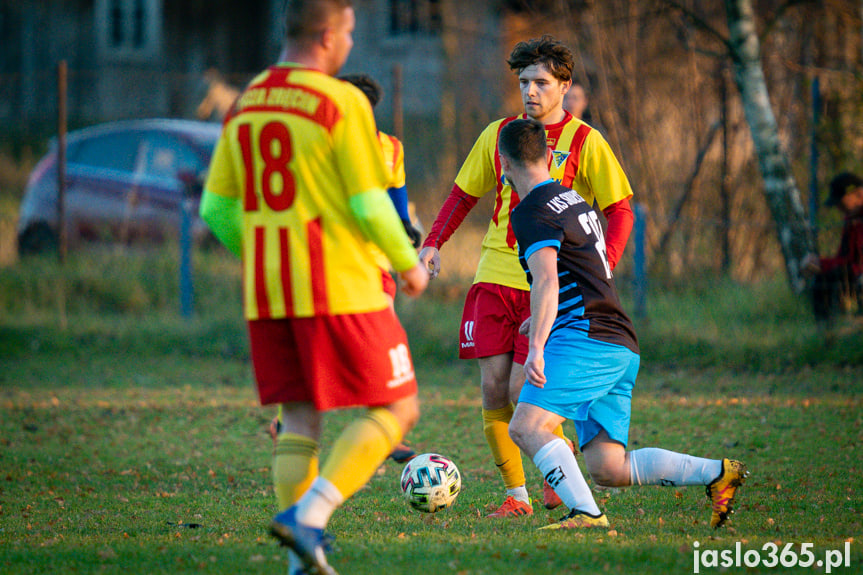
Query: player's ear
{"x": 327, "y": 37}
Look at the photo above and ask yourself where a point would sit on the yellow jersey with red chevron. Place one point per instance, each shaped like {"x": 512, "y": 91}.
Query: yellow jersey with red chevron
{"x": 394, "y": 157}
{"x": 581, "y": 160}
{"x": 296, "y": 147}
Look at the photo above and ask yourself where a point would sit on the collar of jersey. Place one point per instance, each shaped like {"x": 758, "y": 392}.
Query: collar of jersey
{"x": 566, "y": 118}
{"x": 541, "y": 184}
{"x": 294, "y": 65}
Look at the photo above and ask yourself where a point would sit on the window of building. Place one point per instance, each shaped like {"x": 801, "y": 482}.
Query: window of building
{"x": 129, "y": 28}
{"x": 415, "y": 16}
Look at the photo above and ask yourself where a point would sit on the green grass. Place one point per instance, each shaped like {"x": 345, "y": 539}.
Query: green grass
{"x": 132, "y": 441}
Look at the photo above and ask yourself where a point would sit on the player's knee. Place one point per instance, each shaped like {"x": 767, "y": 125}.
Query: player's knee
{"x": 406, "y": 411}
{"x": 518, "y": 432}
{"x": 410, "y": 416}
{"x": 495, "y": 393}
{"x": 607, "y": 475}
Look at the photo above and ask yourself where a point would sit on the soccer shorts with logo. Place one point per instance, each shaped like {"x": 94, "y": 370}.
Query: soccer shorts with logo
{"x": 333, "y": 361}
{"x": 490, "y": 321}
{"x": 587, "y": 381}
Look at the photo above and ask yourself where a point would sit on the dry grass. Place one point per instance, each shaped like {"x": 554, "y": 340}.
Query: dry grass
{"x": 13, "y": 179}
{"x": 8, "y": 241}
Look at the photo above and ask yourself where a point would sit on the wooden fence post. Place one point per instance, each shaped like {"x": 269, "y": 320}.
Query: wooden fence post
{"x": 62, "y": 75}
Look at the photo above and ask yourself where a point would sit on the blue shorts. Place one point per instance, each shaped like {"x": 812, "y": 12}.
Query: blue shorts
{"x": 589, "y": 382}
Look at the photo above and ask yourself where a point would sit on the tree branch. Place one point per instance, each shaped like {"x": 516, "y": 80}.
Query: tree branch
{"x": 700, "y": 23}
{"x": 771, "y": 21}
{"x": 687, "y": 190}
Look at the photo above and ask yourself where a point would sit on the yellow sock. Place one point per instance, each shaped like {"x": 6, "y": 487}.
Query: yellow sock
{"x": 360, "y": 449}
{"x": 558, "y": 431}
{"x": 507, "y": 455}
{"x": 295, "y": 466}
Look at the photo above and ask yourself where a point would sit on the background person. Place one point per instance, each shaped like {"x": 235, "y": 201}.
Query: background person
{"x": 394, "y": 156}
{"x": 842, "y": 274}
{"x": 499, "y": 299}
{"x": 583, "y": 354}
{"x": 575, "y": 102}
{"x": 297, "y": 186}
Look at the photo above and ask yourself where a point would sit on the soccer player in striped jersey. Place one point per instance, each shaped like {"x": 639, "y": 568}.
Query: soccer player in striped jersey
{"x": 394, "y": 155}
{"x": 583, "y": 354}
{"x": 297, "y": 188}
{"x": 499, "y": 300}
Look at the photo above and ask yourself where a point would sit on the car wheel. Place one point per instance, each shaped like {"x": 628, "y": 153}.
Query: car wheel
{"x": 36, "y": 239}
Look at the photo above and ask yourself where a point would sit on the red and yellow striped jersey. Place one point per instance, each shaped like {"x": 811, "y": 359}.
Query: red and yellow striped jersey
{"x": 296, "y": 147}
{"x": 581, "y": 160}
{"x": 394, "y": 157}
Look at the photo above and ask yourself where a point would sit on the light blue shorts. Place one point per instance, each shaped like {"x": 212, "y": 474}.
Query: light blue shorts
{"x": 589, "y": 382}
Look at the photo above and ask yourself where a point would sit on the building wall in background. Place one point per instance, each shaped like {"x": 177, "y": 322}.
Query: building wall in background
{"x": 145, "y": 58}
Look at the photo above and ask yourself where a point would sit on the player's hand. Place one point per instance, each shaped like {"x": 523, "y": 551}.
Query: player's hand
{"x": 430, "y": 259}
{"x": 810, "y": 265}
{"x": 534, "y": 368}
{"x": 415, "y": 280}
{"x": 524, "y": 328}
{"x": 414, "y": 234}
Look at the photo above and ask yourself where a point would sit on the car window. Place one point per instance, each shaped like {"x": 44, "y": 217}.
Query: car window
{"x": 117, "y": 151}
{"x": 165, "y": 156}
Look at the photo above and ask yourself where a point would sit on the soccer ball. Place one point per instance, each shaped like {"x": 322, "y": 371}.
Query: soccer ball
{"x": 430, "y": 482}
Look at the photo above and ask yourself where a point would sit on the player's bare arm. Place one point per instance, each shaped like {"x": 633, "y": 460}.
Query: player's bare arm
{"x": 449, "y": 218}
{"x": 543, "y": 311}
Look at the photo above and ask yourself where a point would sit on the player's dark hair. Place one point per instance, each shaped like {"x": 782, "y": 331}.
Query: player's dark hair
{"x": 554, "y": 55}
{"x": 842, "y": 184}
{"x": 305, "y": 19}
{"x": 523, "y": 142}
{"x": 367, "y": 84}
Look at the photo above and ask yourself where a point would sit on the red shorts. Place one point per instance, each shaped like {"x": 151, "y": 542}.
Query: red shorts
{"x": 490, "y": 321}
{"x": 332, "y": 361}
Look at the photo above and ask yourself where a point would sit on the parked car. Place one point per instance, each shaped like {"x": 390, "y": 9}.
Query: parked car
{"x": 125, "y": 181}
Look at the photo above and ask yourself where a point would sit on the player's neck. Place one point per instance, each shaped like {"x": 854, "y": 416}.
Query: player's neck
{"x": 555, "y": 116}
{"x": 530, "y": 179}
{"x": 303, "y": 56}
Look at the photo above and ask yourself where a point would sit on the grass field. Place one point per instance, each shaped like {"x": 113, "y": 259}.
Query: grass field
{"x": 132, "y": 441}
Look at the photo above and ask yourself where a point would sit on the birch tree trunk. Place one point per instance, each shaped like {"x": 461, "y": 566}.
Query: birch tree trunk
{"x": 783, "y": 196}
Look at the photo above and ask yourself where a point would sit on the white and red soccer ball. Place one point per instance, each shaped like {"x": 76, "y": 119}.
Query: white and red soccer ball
{"x": 430, "y": 482}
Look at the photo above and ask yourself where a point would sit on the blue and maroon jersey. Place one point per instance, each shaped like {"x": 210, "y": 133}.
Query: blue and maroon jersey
{"x": 552, "y": 215}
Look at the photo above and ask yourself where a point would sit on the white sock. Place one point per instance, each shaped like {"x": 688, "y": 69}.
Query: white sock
{"x": 519, "y": 493}
{"x": 318, "y": 503}
{"x": 557, "y": 464}
{"x": 654, "y": 466}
